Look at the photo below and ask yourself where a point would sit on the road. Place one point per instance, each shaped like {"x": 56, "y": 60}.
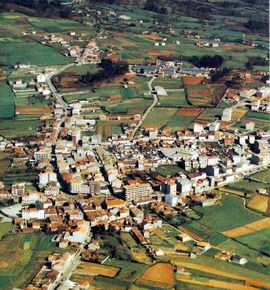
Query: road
{"x": 69, "y": 268}
{"x": 155, "y": 100}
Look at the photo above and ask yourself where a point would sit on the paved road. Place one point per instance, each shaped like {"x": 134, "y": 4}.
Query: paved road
{"x": 155, "y": 100}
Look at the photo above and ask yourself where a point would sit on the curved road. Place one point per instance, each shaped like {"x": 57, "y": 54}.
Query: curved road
{"x": 155, "y": 100}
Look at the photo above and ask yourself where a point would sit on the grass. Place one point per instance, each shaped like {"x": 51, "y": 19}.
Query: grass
{"x": 20, "y": 126}
{"x": 173, "y": 99}
{"x": 168, "y": 83}
{"x": 30, "y": 52}
{"x": 82, "y": 69}
{"x": 130, "y": 271}
{"x": 24, "y": 264}
{"x": 256, "y": 240}
{"x": 7, "y": 101}
{"x": 158, "y": 117}
{"x": 4, "y": 163}
{"x": 246, "y": 185}
{"x": 179, "y": 123}
{"x": 168, "y": 169}
{"x": 263, "y": 176}
{"x": 216, "y": 217}
{"x": 5, "y": 227}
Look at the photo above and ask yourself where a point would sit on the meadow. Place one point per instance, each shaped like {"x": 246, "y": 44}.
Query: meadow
{"x": 217, "y": 219}
{"x": 25, "y": 262}
{"x": 158, "y": 117}
{"x": 7, "y": 101}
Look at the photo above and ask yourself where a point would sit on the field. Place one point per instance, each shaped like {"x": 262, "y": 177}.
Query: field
{"x": 217, "y": 219}
{"x": 258, "y": 240}
{"x": 154, "y": 278}
{"x": 205, "y": 95}
{"x": 248, "y": 228}
{"x": 93, "y": 269}
{"x": 158, "y": 117}
{"x": 4, "y": 163}
{"x": 173, "y": 99}
{"x": 179, "y": 122}
{"x": 168, "y": 83}
{"x": 260, "y": 203}
{"x": 20, "y": 126}
{"x": 168, "y": 169}
{"x": 5, "y": 227}
{"x": 246, "y": 185}
{"x": 7, "y": 102}
{"x": 263, "y": 176}
{"x": 19, "y": 261}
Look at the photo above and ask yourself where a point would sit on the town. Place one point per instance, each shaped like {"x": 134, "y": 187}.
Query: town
{"x": 161, "y": 192}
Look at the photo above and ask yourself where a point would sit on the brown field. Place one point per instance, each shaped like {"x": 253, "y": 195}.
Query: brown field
{"x": 248, "y": 280}
{"x": 108, "y": 132}
{"x": 33, "y": 111}
{"x": 216, "y": 283}
{"x": 235, "y": 47}
{"x": 115, "y": 97}
{"x": 123, "y": 41}
{"x": 248, "y": 228}
{"x": 189, "y": 112}
{"x": 158, "y": 52}
{"x": 260, "y": 203}
{"x": 153, "y": 37}
{"x": 93, "y": 269}
{"x": 239, "y": 112}
{"x": 236, "y": 192}
{"x": 188, "y": 80}
{"x": 160, "y": 273}
{"x": 209, "y": 95}
{"x": 100, "y": 130}
{"x": 191, "y": 234}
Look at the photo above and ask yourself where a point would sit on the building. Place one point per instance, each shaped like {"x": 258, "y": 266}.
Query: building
{"x": 136, "y": 191}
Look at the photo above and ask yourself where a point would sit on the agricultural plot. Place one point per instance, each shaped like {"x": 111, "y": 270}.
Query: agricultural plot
{"x": 248, "y": 228}
{"x": 257, "y": 240}
{"x": 263, "y": 176}
{"x": 210, "y": 114}
{"x": 138, "y": 253}
{"x": 153, "y": 278}
{"x": 158, "y": 117}
{"x": 260, "y": 203}
{"x": 4, "y": 163}
{"x": 25, "y": 262}
{"x": 20, "y": 126}
{"x": 5, "y": 227}
{"x": 205, "y": 95}
{"x": 7, "y": 101}
{"x": 93, "y": 269}
{"x": 34, "y": 53}
{"x": 246, "y": 185}
{"x": 230, "y": 213}
{"x": 173, "y": 99}
{"x": 168, "y": 83}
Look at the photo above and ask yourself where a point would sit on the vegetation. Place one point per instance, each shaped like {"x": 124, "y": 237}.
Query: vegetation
{"x": 109, "y": 70}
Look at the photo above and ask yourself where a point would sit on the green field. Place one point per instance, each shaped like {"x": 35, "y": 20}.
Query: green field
{"x": 230, "y": 213}
{"x": 246, "y": 185}
{"x": 168, "y": 169}
{"x": 30, "y": 52}
{"x": 168, "y": 83}
{"x": 4, "y": 163}
{"x": 263, "y": 176}
{"x": 158, "y": 117}
{"x": 7, "y": 101}
{"x": 5, "y": 227}
{"x": 257, "y": 240}
{"x": 18, "y": 264}
{"x": 173, "y": 99}
{"x": 20, "y": 126}
{"x": 179, "y": 123}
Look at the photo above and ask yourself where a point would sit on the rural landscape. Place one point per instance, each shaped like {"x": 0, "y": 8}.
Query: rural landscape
{"x": 134, "y": 144}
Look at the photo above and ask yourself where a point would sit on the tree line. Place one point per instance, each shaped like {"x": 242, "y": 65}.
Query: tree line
{"x": 40, "y": 8}
{"x": 109, "y": 70}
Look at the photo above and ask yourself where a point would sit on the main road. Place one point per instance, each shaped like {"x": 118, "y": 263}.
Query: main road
{"x": 155, "y": 100}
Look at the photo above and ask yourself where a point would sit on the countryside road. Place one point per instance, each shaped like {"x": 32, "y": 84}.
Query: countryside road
{"x": 155, "y": 100}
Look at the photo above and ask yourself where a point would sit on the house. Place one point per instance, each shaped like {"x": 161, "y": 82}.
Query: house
{"x": 238, "y": 260}
{"x": 184, "y": 237}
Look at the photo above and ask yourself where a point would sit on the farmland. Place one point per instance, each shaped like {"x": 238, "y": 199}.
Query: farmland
{"x": 216, "y": 218}
{"x": 158, "y": 117}
{"x": 173, "y": 99}
{"x": 260, "y": 203}
{"x": 7, "y": 102}
{"x": 93, "y": 269}
{"x": 153, "y": 278}
{"x": 25, "y": 262}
